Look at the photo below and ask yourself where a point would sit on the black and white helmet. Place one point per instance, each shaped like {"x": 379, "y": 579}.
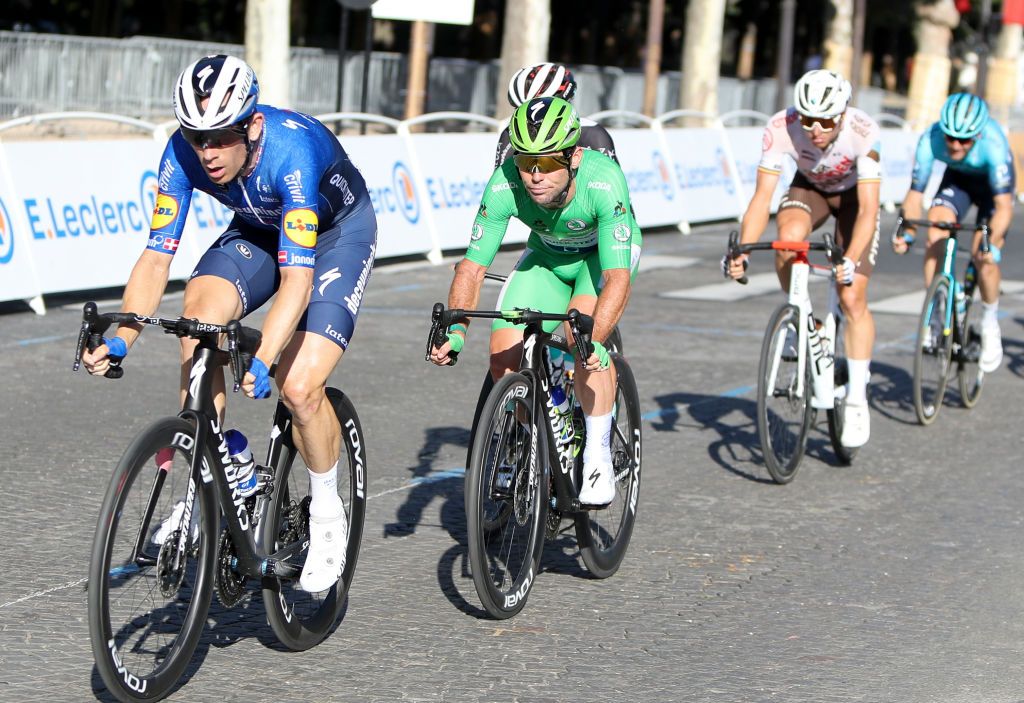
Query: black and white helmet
{"x": 822, "y": 93}
{"x": 228, "y": 82}
{"x": 545, "y": 80}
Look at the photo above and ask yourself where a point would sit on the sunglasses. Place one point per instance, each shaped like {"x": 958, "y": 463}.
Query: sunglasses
{"x": 960, "y": 140}
{"x": 216, "y": 138}
{"x": 545, "y": 163}
{"x": 827, "y": 124}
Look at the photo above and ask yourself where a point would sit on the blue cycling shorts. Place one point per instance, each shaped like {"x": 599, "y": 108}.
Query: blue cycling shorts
{"x": 246, "y": 256}
{"x": 958, "y": 191}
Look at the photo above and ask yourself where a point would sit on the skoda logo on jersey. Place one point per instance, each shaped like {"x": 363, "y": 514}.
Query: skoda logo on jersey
{"x": 576, "y": 225}
{"x": 405, "y": 192}
{"x": 243, "y": 250}
{"x": 148, "y": 189}
{"x": 661, "y": 167}
{"x": 622, "y": 232}
{"x": 6, "y": 235}
{"x": 477, "y": 233}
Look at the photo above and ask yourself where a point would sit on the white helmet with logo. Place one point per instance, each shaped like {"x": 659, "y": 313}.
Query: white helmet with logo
{"x": 822, "y": 94}
{"x": 229, "y": 84}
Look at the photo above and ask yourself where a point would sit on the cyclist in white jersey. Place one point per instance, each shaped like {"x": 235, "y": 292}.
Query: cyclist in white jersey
{"x": 836, "y": 150}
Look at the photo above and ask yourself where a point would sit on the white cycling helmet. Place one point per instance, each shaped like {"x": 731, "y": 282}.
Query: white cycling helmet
{"x": 545, "y": 80}
{"x": 228, "y": 82}
{"x": 822, "y": 94}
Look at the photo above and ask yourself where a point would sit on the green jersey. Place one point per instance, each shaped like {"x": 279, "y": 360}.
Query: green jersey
{"x": 598, "y": 218}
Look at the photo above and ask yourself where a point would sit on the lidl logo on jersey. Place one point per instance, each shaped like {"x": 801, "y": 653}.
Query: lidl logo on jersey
{"x": 165, "y": 212}
{"x": 300, "y": 226}
{"x": 399, "y": 196}
{"x": 6, "y": 235}
{"x": 656, "y": 179}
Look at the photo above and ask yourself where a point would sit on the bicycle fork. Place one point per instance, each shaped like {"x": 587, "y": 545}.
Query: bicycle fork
{"x": 814, "y": 346}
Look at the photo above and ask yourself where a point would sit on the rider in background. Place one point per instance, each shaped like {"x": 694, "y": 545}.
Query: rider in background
{"x": 304, "y": 228}
{"x": 979, "y": 171}
{"x": 583, "y": 251}
{"x": 836, "y": 150}
{"x": 551, "y": 80}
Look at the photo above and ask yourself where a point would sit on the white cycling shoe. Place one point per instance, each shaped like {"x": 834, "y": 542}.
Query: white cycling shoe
{"x": 856, "y": 425}
{"x": 598, "y": 489}
{"x": 991, "y": 348}
{"x": 173, "y": 522}
{"x": 325, "y": 560}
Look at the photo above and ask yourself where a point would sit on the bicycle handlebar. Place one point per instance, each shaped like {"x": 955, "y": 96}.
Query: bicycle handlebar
{"x": 828, "y": 245}
{"x": 952, "y": 227}
{"x": 582, "y": 326}
{"x": 242, "y": 341}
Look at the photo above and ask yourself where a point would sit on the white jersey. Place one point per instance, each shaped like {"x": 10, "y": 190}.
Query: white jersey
{"x": 836, "y": 168}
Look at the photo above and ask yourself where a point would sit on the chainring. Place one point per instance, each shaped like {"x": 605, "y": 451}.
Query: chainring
{"x": 230, "y": 584}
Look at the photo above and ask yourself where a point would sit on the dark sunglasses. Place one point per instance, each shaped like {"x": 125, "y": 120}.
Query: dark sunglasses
{"x": 544, "y": 163}
{"x": 216, "y": 138}
{"x": 960, "y": 140}
{"x": 827, "y": 124}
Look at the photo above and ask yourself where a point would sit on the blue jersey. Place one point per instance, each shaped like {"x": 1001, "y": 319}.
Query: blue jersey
{"x": 303, "y": 183}
{"x": 989, "y": 158}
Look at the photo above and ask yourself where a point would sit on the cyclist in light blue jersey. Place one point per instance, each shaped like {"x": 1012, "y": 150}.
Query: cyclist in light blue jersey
{"x": 979, "y": 171}
{"x": 304, "y": 228}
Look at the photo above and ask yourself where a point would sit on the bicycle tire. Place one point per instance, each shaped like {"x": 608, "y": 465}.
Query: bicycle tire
{"x": 144, "y": 657}
{"x": 835, "y": 414}
{"x": 299, "y": 619}
{"x": 970, "y": 378}
{"x": 932, "y": 353}
{"x": 782, "y": 442}
{"x": 604, "y": 535}
{"x": 504, "y": 553}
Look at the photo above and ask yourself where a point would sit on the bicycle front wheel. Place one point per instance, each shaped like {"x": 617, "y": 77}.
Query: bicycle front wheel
{"x": 969, "y": 376}
{"x": 506, "y": 497}
{"x": 151, "y": 576}
{"x": 783, "y": 398}
{"x": 604, "y": 534}
{"x": 301, "y": 619}
{"x": 933, "y": 352}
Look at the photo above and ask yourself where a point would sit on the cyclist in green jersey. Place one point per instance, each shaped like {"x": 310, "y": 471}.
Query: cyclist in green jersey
{"x": 583, "y": 252}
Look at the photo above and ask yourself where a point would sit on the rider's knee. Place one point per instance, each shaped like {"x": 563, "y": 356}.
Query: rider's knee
{"x": 503, "y": 362}
{"x": 301, "y": 395}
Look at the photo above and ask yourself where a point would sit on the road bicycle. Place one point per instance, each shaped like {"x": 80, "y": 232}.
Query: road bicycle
{"x": 803, "y": 363}
{"x": 174, "y": 527}
{"x": 949, "y": 328}
{"x": 527, "y": 463}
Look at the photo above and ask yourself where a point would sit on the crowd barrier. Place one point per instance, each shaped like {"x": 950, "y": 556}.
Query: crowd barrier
{"x": 74, "y": 214}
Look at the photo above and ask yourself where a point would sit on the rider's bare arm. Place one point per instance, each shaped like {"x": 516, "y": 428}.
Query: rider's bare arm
{"x": 464, "y": 294}
{"x": 868, "y": 197}
{"x": 611, "y": 302}
{"x": 1001, "y": 216}
{"x": 755, "y": 219}
{"x": 283, "y": 317}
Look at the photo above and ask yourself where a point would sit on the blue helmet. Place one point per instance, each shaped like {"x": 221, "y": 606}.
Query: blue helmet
{"x": 963, "y": 115}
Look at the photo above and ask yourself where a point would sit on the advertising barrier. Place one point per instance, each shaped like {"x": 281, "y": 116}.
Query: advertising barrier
{"x": 84, "y": 226}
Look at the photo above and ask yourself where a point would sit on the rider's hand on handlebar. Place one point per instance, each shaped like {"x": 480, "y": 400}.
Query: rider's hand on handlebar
{"x": 845, "y": 271}
{"x": 440, "y": 355}
{"x": 256, "y": 383}
{"x": 734, "y": 268}
{"x": 97, "y": 361}
{"x": 901, "y": 242}
{"x": 599, "y": 359}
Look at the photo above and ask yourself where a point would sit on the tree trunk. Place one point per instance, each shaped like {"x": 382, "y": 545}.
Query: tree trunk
{"x": 839, "y": 40}
{"x": 524, "y": 43}
{"x": 929, "y": 81}
{"x": 267, "y": 44}
{"x": 1001, "y": 87}
{"x": 702, "y": 56}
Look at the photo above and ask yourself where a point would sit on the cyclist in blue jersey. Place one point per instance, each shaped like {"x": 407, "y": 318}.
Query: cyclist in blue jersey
{"x": 979, "y": 171}
{"x": 303, "y": 228}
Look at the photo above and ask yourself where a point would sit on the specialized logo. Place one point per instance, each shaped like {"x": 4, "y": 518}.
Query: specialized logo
{"x": 164, "y": 212}
{"x": 328, "y": 278}
{"x": 243, "y": 250}
{"x": 6, "y": 235}
{"x": 300, "y": 226}
{"x": 196, "y": 376}
{"x": 405, "y": 192}
{"x": 203, "y": 76}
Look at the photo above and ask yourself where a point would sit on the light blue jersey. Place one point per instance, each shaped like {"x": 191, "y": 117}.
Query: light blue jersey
{"x": 989, "y": 159}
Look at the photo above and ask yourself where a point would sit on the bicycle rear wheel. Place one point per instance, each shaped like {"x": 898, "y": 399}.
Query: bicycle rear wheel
{"x": 151, "y": 576}
{"x": 969, "y": 377}
{"x": 932, "y": 352}
{"x": 301, "y": 619}
{"x": 506, "y": 498}
{"x": 604, "y": 534}
{"x": 783, "y": 413}
{"x": 835, "y": 415}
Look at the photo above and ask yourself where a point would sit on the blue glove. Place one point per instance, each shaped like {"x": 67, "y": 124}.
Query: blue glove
{"x": 603, "y": 358}
{"x": 116, "y": 346}
{"x": 261, "y": 386}
{"x": 997, "y": 255}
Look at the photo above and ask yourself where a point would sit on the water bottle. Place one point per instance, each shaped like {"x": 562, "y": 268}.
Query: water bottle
{"x": 241, "y": 457}
{"x": 970, "y": 279}
{"x": 961, "y": 300}
{"x": 822, "y": 373}
{"x": 563, "y": 409}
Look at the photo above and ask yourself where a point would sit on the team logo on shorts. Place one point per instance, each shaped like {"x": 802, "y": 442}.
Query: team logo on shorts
{"x": 477, "y": 233}
{"x": 243, "y": 250}
{"x": 164, "y": 212}
{"x": 576, "y": 225}
{"x": 622, "y": 233}
{"x": 300, "y": 226}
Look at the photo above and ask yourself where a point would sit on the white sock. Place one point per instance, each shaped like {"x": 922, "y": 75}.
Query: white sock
{"x": 857, "y": 388}
{"x": 599, "y": 435}
{"x": 323, "y": 491}
{"x": 989, "y": 312}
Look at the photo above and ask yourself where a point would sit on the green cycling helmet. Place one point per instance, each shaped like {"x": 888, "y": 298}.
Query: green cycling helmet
{"x": 543, "y": 126}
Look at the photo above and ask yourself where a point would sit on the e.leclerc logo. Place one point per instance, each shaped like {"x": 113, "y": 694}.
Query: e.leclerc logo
{"x": 6, "y": 235}
{"x": 92, "y": 215}
{"x": 667, "y": 190}
{"x": 405, "y": 192}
